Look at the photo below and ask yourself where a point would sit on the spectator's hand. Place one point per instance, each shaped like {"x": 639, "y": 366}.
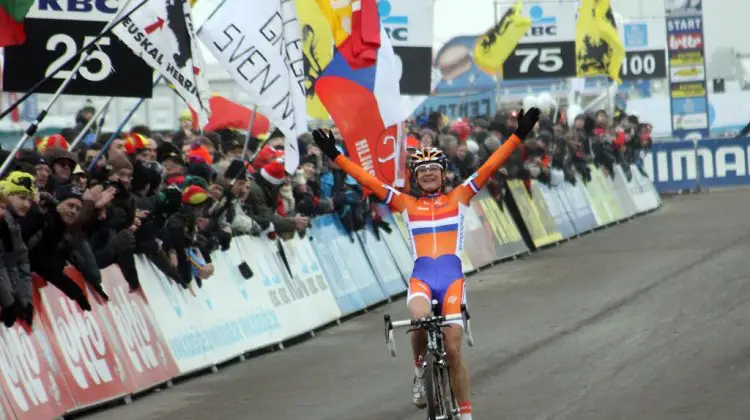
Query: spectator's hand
{"x": 326, "y": 142}
{"x": 526, "y": 122}
{"x": 141, "y": 214}
{"x": 301, "y": 222}
{"x": 105, "y": 198}
{"x": 93, "y": 193}
{"x": 206, "y": 271}
{"x": 136, "y": 224}
{"x": 46, "y": 200}
{"x": 124, "y": 241}
{"x": 503, "y": 172}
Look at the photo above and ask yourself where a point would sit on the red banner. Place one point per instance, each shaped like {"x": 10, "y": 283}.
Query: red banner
{"x": 92, "y": 370}
{"x": 131, "y": 326}
{"x": 32, "y": 379}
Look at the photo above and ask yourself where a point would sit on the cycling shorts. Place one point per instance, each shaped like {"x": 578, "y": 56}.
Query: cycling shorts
{"x": 441, "y": 279}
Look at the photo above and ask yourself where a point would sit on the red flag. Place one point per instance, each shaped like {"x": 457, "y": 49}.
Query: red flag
{"x": 228, "y": 114}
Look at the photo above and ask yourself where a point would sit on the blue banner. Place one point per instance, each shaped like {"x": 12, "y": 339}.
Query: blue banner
{"x": 706, "y": 163}
{"x": 455, "y": 106}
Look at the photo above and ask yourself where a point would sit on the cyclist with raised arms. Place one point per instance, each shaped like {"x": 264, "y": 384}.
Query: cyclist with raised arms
{"x": 435, "y": 225}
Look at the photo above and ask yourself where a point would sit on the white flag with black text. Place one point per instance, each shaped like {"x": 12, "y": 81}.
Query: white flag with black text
{"x": 259, "y": 43}
{"x": 161, "y": 33}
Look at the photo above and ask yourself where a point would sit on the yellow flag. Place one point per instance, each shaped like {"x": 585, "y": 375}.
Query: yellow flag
{"x": 599, "y": 49}
{"x": 317, "y": 48}
{"x": 495, "y": 46}
{"x": 338, "y": 13}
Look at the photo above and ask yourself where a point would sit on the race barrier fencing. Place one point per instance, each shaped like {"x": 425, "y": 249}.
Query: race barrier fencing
{"x": 71, "y": 360}
{"x": 694, "y": 165}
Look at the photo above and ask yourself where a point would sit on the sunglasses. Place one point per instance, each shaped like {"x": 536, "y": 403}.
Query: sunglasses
{"x": 429, "y": 167}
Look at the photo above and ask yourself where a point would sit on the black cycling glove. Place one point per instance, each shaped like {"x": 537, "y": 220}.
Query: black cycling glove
{"x": 326, "y": 142}
{"x": 526, "y": 122}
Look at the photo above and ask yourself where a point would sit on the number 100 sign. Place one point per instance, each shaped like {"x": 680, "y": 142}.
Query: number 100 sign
{"x": 111, "y": 69}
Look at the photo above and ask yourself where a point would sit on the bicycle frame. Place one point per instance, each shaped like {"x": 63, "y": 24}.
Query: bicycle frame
{"x": 433, "y": 325}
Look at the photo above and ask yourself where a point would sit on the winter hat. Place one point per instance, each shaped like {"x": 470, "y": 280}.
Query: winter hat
{"x": 18, "y": 182}
{"x": 194, "y": 195}
{"x": 29, "y": 157}
{"x": 462, "y": 129}
{"x": 118, "y": 162}
{"x": 169, "y": 151}
{"x": 53, "y": 140}
{"x": 266, "y": 154}
{"x": 199, "y": 153}
{"x": 194, "y": 180}
{"x": 274, "y": 172}
{"x": 54, "y": 154}
{"x": 135, "y": 143}
{"x": 236, "y": 171}
{"x": 68, "y": 191}
{"x": 309, "y": 159}
{"x": 202, "y": 170}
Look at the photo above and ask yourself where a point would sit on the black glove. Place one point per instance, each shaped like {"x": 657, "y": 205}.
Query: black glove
{"x": 526, "y": 122}
{"x": 99, "y": 291}
{"x": 124, "y": 241}
{"x": 27, "y": 314}
{"x": 10, "y": 314}
{"x": 326, "y": 142}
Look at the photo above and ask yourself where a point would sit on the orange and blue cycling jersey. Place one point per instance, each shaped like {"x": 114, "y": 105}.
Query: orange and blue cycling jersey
{"x": 435, "y": 228}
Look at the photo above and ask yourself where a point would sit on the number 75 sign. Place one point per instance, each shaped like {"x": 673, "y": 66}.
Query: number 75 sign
{"x": 111, "y": 68}
{"x": 558, "y": 60}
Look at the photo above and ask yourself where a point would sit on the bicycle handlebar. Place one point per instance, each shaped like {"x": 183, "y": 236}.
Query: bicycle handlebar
{"x": 432, "y": 320}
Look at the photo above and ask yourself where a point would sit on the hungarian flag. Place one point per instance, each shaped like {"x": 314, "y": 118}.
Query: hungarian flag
{"x": 12, "y": 13}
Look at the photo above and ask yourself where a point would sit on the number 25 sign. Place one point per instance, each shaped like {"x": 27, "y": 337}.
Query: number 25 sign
{"x": 109, "y": 69}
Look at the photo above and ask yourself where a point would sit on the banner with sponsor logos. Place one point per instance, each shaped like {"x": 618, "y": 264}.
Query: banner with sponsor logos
{"x": 538, "y": 221}
{"x": 55, "y": 31}
{"x": 707, "y": 163}
{"x": 73, "y": 359}
{"x": 408, "y": 24}
{"x": 687, "y": 75}
{"x": 461, "y": 105}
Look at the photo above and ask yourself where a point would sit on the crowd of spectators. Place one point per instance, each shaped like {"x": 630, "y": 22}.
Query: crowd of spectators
{"x": 177, "y": 197}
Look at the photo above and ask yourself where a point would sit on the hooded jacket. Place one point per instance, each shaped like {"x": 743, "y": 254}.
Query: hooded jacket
{"x": 15, "y": 273}
{"x": 262, "y": 203}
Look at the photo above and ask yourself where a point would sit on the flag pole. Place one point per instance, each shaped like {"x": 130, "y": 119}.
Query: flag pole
{"x": 90, "y": 122}
{"x": 83, "y": 51}
{"x": 31, "y": 129}
{"x": 119, "y": 129}
{"x": 249, "y": 131}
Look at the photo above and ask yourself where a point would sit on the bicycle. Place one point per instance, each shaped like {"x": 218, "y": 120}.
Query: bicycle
{"x": 441, "y": 403}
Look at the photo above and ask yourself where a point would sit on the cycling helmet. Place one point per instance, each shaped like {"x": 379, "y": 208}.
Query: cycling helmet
{"x": 428, "y": 155}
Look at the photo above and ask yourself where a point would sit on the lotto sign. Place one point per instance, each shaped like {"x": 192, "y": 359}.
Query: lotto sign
{"x": 110, "y": 69}
{"x": 30, "y": 375}
{"x": 142, "y": 345}
{"x": 90, "y": 366}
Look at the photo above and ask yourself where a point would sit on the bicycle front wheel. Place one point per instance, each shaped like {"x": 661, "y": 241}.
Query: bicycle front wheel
{"x": 434, "y": 385}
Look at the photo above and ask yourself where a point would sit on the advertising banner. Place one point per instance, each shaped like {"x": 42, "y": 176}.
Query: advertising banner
{"x": 396, "y": 243}
{"x": 31, "y": 376}
{"x": 408, "y": 24}
{"x": 685, "y": 165}
{"x": 341, "y": 279}
{"x": 580, "y": 210}
{"x": 539, "y": 222}
{"x": 130, "y": 326}
{"x": 381, "y": 262}
{"x": 555, "y": 207}
{"x": 92, "y": 369}
{"x": 500, "y": 225}
{"x": 687, "y": 75}
{"x": 479, "y": 243}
